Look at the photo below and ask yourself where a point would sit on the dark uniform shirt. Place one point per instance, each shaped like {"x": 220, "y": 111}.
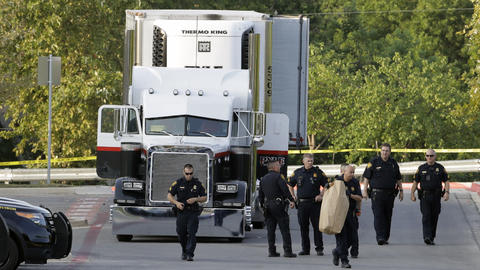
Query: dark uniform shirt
{"x": 185, "y": 190}
{"x": 308, "y": 182}
{"x": 382, "y": 174}
{"x": 431, "y": 177}
{"x": 352, "y": 187}
{"x": 273, "y": 186}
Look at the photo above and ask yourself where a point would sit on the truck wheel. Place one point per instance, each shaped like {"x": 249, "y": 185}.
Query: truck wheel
{"x": 12, "y": 261}
{"x": 124, "y": 237}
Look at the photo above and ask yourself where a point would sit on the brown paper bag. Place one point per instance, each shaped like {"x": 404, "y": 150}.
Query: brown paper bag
{"x": 334, "y": 208}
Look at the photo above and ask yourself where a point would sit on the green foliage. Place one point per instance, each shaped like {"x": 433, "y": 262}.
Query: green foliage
{"x": 376, "y": 74}
{"x": 91, "y": 71}
{"x": 379, "y": 75}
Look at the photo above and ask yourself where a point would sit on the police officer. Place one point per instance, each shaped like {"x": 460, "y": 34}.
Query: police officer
{"x": 272, "y": 196}
{"x": 383, "y": 180}
{"x": 355, "y": 189}
{"x": 308, "y": 180}
{"x": 344, "y": 238}
{"x": 189, "y": 192}
{"x": 430, "y": 175}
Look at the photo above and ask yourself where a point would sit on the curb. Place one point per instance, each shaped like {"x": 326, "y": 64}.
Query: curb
{"x": 78, "y": 222}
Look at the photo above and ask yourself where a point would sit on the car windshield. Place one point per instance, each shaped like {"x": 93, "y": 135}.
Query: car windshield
{"x": 186, "y": 126}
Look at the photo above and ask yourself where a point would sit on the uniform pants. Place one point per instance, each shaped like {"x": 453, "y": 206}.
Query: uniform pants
{"x": 354, "y": 239}
{"x": 187, "y": 227}
{"x": 430, "y": 207}
{"x": 309, "y": 212}
{"x": 344, "y": 238}
{"x": 277, "y": 214}
{"x": 382, "y": 206}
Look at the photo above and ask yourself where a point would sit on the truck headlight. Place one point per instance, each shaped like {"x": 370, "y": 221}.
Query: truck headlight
{"x": 232, "y": 188}
{"x": 132, "y": 185}
{"x": 221, "y": 188}
{"x": 227, "y": 188}
{"x": 137, "y": 185}
{"x": 36, "y": 218}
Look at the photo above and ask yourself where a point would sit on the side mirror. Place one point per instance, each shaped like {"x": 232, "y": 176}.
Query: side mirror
{"x": 258, "y": 141}
{"x": 117, "y": 135}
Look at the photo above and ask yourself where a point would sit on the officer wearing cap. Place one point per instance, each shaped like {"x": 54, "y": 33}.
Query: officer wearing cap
{"x": 430, "y": 176}
{"x": 309, "y": 181}
{"x": 382, "y": 178}
{"x": 272, "y": 195}
{"x": 189, "y": 192}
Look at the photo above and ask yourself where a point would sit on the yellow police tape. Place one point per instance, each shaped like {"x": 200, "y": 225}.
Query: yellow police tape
{"x": 45, "y": 161}
{"x": 291, "y": 152}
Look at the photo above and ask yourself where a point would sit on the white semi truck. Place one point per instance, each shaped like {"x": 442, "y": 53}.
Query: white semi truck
{"x": 225, "y": 91}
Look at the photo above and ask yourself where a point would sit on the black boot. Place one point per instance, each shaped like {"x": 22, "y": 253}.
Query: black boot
{"x": 336, "y": 259}
{"x": 273, "y": 254}
{"x": 289, "y": 254}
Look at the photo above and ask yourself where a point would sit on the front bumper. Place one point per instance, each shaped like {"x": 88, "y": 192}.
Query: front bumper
{"x": 161, "y": 221}
{"x": 58, "y": 246}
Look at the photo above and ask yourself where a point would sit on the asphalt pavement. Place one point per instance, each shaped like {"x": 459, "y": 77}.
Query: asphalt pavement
{"x": 94, "y": 247}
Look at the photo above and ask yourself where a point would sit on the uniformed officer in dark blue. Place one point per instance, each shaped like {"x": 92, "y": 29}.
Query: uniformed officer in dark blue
{"x": 189, "y": 192}
{"x": 430, "y": 176}
{"x": 273, "y": 194}
{"x": 344, "y": 238}
{"x": 383, "y": 180}
{"x": 309, "y": 181}
{"x": 353, "y": 244}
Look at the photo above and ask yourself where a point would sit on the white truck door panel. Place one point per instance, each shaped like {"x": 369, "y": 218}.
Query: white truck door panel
{"x": 119, "y": 138}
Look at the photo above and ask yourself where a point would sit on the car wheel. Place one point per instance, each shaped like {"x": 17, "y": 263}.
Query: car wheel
{"x": 12, "y": 261}
{"x": 124, "y": 237}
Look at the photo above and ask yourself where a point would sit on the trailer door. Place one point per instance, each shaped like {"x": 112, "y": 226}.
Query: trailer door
{"x": 119, "y": 138}
{"x": 275, "y": 145}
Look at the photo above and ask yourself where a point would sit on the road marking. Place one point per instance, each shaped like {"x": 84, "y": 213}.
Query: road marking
{"x": 91, "y": 237}
{"x": 86, "y": 208}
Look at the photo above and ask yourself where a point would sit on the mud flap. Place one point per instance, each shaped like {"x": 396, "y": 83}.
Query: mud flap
{"x": 3, "y": 240}
{"x": 63, "y": 239}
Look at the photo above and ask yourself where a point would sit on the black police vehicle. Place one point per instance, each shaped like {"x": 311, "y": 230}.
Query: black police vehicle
{"x": 31, "y": 234}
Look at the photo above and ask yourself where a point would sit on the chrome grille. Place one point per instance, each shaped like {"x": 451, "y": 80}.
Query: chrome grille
{"x": 167, "y": 167}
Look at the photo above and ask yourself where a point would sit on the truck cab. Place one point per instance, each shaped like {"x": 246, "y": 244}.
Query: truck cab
{"x": 199, "y": 89}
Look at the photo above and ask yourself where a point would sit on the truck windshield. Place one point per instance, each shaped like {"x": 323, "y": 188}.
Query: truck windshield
{"x": 186, "y": 126}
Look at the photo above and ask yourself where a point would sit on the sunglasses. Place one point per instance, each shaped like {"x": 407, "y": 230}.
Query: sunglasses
{"x": 429, "y": 155}
{"x": 188, "y": 173}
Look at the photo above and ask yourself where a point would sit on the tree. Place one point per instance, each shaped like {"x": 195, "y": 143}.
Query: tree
{"x": 87, "y": 35}
{"x": 408, "y": 104}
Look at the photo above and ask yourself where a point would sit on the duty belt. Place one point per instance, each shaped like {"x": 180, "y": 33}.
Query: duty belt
{"x": 306, "y": 199}
{"x": 383, "y": 190}
{"x": 431, "y": 191}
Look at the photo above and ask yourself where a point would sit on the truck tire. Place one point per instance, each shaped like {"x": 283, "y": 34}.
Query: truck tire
{"x": 124, "y": 237}
{"x": 12, "y": 261}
